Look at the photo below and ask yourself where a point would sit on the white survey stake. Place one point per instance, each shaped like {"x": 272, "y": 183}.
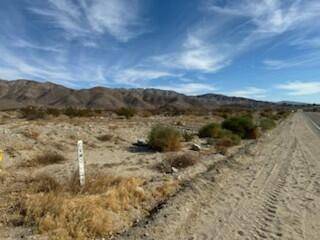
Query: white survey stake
{"x": 81, "y": 163}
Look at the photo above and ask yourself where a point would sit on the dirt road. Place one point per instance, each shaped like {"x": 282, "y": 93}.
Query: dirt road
{"x": 270, "y": 192}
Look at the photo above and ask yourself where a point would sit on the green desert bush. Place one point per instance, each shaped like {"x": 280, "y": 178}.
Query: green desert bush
{"x": 126, "y": 112}
{"x": 53, "y": 112}
{"x": 77, "y": 112}
{"x": 32, "y": 113}
{"x": 228, "y": 139}
{"x": 242, "y": 126}
{"x": 267, "y": 124}
{"x": 164, "y": 138}
{"x": 210, "y": 130}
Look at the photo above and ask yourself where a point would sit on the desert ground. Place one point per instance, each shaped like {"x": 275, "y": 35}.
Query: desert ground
{"x": 261, "y": 189}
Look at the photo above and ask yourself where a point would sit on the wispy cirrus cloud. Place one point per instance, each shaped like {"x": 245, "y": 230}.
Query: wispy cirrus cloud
{"x": 230, "y": 29}
{"x": 305, "y": 60}
{"x": 138, "y": 76}
{"x": 89, "y": 18}
{"x": 299, "y": 88}
{"x": 21, "y": 43}
{"x": 196, "y": 54}
{"x": 271, "y": 16}
{"x": 191, "y": 88}
{"x": 249, "y": 92}
{"x": 261, "y": 21}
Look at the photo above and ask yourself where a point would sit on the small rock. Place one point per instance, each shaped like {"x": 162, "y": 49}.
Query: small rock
{"x": 195, "y": 147}
{"x": 175, "y": 170}
{"x": 141, "y": 143}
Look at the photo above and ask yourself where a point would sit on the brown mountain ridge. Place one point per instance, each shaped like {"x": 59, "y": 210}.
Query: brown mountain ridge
{"x": 21, "y": 93}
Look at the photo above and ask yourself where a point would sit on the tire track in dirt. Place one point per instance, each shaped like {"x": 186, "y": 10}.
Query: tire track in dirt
{"x": 270, "y": 192}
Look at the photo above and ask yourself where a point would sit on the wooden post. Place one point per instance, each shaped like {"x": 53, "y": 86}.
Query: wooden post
{"x": 1, "y": 159}
{"x": 81, "y": 163}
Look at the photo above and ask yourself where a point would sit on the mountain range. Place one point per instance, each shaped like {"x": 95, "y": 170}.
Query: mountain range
{"x": 21, "y": 93}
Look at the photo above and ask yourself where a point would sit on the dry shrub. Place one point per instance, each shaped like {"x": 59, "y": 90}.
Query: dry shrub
{"x": 79, "y": 112}
{"x": 254, "y": 133}
{"x": 166, "y": 190}
{"x": 46, "y": 159}
{"x": 164, "y": 138}
{"x": 43, "y": 183}
{"x": 33, "y": 113}
{"x": 99, "y": 209}
{"x": 182, "y": 160}
{"x": 178, "y": 161}
{"x": 31, "y": 134}
{"x": 126, "y": 112}
{"x": 105, "y": 137}
{"x": 104, "y": 206}
{"x": 222, "y": 149}
{"x": 145, "y": 113}
{"x": 187, "y": 136}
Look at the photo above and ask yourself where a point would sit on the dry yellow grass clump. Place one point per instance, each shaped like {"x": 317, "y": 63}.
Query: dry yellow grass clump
{"x": 104, "y": 206}
{"x": 46, "y": 158}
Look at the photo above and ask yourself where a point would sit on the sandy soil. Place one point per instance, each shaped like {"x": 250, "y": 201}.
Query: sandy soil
{"x": 271, "y": 190}
{"x": 268, "y": 189}
{"x": 23, "y": 140}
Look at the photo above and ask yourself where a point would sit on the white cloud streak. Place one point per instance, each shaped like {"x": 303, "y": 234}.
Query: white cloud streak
{"x": 137, "y": 76}
{"x": 299, "y": 88}
{"x": 189, "y": 88}
{"x": 249, "y": 92}
{"x": 21, "y": 43}
{"x": 90, "y": 18}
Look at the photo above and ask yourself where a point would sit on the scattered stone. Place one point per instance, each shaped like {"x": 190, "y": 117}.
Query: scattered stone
{"x": 195, "y": 147}
{"x": 174, "y": 170}
{"x": 141, "y": 143}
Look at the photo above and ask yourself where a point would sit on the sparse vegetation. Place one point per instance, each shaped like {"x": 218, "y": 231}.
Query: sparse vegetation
{"x": 104, "y": 206}
{"x": 126, "y": 112}
{"x": 75, "y": 112}
{"x": 32, "y": 113}
{"x": 46, "y": 159}
{"x": 105, "y": 137}
{"x": 228, "y": 139}
{"x": 164, "y": 138}
{"x": 53, "y": 112}
{"x": 211, "y": 130}
{"x": 187, "y": 136}
{"x": 242, "y": 126}
{"x": 267, "y": 124}
{"x": 31, "y": 134}
{"x": 182, "y": 160}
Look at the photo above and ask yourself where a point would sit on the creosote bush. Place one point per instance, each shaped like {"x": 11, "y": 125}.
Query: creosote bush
{"x": 267, "y": 124}
{"x": 211, "y": 130}
{"x": 228, "y": 139}
{"x": 242, "y": 126}
{"x": 164, "y": 138}
{"x": 32, "y": 113}
{"x": 77, "y": 112}
{"x": 126, "y": 112}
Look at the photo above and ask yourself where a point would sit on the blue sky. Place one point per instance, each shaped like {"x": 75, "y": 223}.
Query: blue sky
{"x": 263, "y": 49}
